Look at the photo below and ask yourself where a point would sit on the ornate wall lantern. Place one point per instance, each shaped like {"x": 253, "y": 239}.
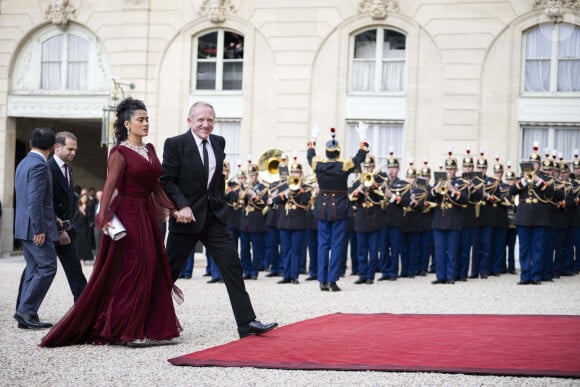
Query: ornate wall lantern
{"x": 109, "y": 111}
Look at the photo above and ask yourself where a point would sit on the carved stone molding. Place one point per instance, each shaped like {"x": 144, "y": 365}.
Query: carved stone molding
{"x": 60, "y": 12}
{"x": 217, "y": 10}
{"x": 378, "y": 9}
{"x": 556, "y": 8}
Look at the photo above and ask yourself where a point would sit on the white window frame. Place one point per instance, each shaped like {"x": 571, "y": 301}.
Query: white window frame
{"x": 381, "y": 153}
{"x": 554, "y": 59}
{"x": 379, "y": 61}
{"x": 218, "y": 60}
{"x": 547, "y": 139}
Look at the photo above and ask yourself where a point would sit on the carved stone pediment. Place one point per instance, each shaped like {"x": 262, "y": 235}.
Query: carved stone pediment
{"x": 217, "y": 10}
{"x": 378, "y": 9}
{"x": 556, "y": 8}
{"x": 60, "y": 12}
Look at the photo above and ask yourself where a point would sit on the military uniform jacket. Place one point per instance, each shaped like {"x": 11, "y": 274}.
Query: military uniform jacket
{"x": 272, "y": 216}
{"x": 292, "y": 209}
{"x": 368, "y": 214}
{"x": 493, "y": 209}
{"x": 252, "y": 219}
{"x": 332, "y": 202}
{"x": 448, "y": 213}
{"x": 561, "y": 202}
{"x": 534, "y": 202}
{"x": 413, "y": 216}
{"x": 234, "y": 206}
{"x": 574, "y": 209}
{"x": 470, "y": 213}
{"x": 395, "y": 208}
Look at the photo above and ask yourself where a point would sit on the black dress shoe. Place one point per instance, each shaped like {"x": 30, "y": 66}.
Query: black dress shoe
{"x": 474, "y": 276}
{"x": 273, "y": 274}
{"x": 324, "y": 287}
{"x": 450, "y": 282}
{"x": 483, "y": 276}
{"x": 360, "y": 281}
{"x": 524, "y": 283}
{"x": 295, "y": 282}
{"x": 247, "y": 276}
{"x": 205, "y": 275}
{"x": 370, "y": 281}
{"x": 285, "y": 281}
{"x": 437, "y": 282}
{"x": 213, "y": 281}
{"x": 536, "y": 282}
{"x": 28, "y": 322}
{"x": 254, "y": 277}
{"x": 255, "y": 328}
{"x": 334, "y": 287}
{"x": 311, "y": 278}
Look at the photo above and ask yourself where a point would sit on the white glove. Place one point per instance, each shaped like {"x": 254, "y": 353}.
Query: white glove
{"x": 315, "y": 132}
{"x": 362, "y": 130}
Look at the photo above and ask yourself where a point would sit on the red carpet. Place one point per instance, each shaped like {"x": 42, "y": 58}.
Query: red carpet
{"x": 531, "y": 345}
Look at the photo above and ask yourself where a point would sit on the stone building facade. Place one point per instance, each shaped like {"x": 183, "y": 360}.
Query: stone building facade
{"x": 426, "y": 75}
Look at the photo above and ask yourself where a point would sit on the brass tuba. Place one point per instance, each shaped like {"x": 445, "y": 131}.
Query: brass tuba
{"x": 268, "y": 164}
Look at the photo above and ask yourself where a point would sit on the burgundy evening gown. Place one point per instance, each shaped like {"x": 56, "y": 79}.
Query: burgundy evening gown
{"x": 128, "y": 296}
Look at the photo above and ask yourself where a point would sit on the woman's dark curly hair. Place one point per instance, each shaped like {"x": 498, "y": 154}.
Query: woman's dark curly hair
{"x": 125, "y": 110}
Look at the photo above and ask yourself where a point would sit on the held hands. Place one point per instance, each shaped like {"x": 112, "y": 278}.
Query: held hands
{"x": 184, "y": 215}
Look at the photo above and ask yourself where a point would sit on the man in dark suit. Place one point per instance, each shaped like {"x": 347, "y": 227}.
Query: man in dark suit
{"x": 65, "y": 205}
{"x": 193, "y": 179}
{"x": 35, "y": 226}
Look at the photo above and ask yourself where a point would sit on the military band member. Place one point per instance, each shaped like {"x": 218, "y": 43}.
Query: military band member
{"x": 427, "y": 261}
{"x": 412, "y": 227}
{"x": 332, "y": 204}
{"x": 253, "y": 224}
{"x": 272, "y": 240}
{"x": 575, "y": 217}
{"x": 562, "y": 202}
{"x": 450, "y": 195}
{"x": 397, "y": 198}
{"x": 367, "y": 197}
{"x": 532, "y": 219}
{"x": 511, "y": 234}
{"x": 469, "y": 250}
{"x": 234, "y": 188}
{"x": 496, "y": 201}
{"x": 292, "y": 201}
{"x": 311, "y": 245}
{"x": 565, "y": 266}
{"x": 547, "y": 169}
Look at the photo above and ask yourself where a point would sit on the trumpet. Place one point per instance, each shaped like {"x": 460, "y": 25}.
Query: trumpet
{"x": 529, "y": 174}
{"x": 294, "y": 182}
{"x": 367, "y": 179}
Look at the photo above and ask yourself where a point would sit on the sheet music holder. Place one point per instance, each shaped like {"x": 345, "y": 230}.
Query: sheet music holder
{"x": 440, "y": 176}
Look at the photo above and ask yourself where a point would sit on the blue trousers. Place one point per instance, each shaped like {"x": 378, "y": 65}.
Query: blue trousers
{"x": 476, "y": 252}
{"x": 368, "y": 253}
{"x": 498, "y": 264}
{"x": 37, "y": 277}
{"x": 413, "y": 240}
{"x": 330, "y": 249}
{"x": 465, "y": 255}
{"x": 293, "y": 240}
{"x": 447, "y": 244}
{"x": 511, "y": 235}
{"x": 548, "y": 256}
{"x": 559, "y": 250}
{"x": 531, "y": 241}
{"x": 426, "y": 251}
{"x": 395, "y": 242}
{"x": 486, "y": 243}
{"x": 213, "y": 268}
{"x": 312, "y": 246}
{"x": 187, "y": 269}
{"x": 251, "y": 258}
{"x": 271, "y": 250}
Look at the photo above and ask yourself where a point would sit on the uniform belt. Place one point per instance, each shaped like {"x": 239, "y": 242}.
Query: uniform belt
{"x": 332, "y": 193}
{"x": 367, "y": 205}
{"x": 530, "y": 201}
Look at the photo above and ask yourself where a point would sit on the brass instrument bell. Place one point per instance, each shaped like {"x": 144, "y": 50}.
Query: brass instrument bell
{"x": 367, "y": 179}
{"x": 294, "y": 182}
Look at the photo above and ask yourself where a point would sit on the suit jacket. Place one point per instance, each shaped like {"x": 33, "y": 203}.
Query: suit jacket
{"x": 34, "y": 208}
{"x": 183, "y": 181}
{"x": 63, "y": 197}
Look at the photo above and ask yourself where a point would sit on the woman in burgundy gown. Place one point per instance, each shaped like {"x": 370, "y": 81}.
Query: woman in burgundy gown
{"x": 128, "y": 299}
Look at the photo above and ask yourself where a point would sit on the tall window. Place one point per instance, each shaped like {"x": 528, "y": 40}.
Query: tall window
{"x": 561, "y": 139}
{"x": 552, "y": 58}
{"x": 64, "y": 63}
{"x": 378, "y": 61}
{"x": 230, "y": 130}
{"x": 382, "y": 137}
{"x": 219, "y": 62}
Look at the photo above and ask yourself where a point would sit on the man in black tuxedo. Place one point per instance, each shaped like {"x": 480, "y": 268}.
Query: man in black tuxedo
{"x": 193, "y": 179}
{"x": 65, "y": 205}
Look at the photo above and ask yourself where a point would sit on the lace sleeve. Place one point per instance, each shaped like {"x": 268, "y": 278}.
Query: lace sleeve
{"x": 115, "y": 168}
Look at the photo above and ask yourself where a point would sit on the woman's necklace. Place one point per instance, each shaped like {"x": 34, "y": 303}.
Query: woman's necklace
{"x": 137, "y": 148}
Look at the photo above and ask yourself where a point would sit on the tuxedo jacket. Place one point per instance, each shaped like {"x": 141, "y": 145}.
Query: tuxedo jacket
{"x": 34, "y": 209}
{"x": 63, "y": 197}
{"x": 183, "y": 181}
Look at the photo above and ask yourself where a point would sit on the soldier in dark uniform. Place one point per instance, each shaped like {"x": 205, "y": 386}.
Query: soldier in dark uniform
{"x": 293, "y": 201}
{"x": 470, "y": 232}
{"x": 234, "y": 188}
{"x": 450, "y": 195}
{"x": 332, "y": 205}
{"x": 532, "y": 219}
{"x": 511, "y": 233}
{"x": 575, "y": 213}
{"x": 367, "y": 197}
{"x": 547, "y": 169}
{"x": 412, "y": 227}
{"x": 311, "y": 245}
{"x": 253, "y": 224}
{"x": 272, "y": 241}
{"x": 397, "y": 197}
{"x": 426, "y": 261}
{"x": 496, "y": 201}
{"x": 563, "y": 264}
